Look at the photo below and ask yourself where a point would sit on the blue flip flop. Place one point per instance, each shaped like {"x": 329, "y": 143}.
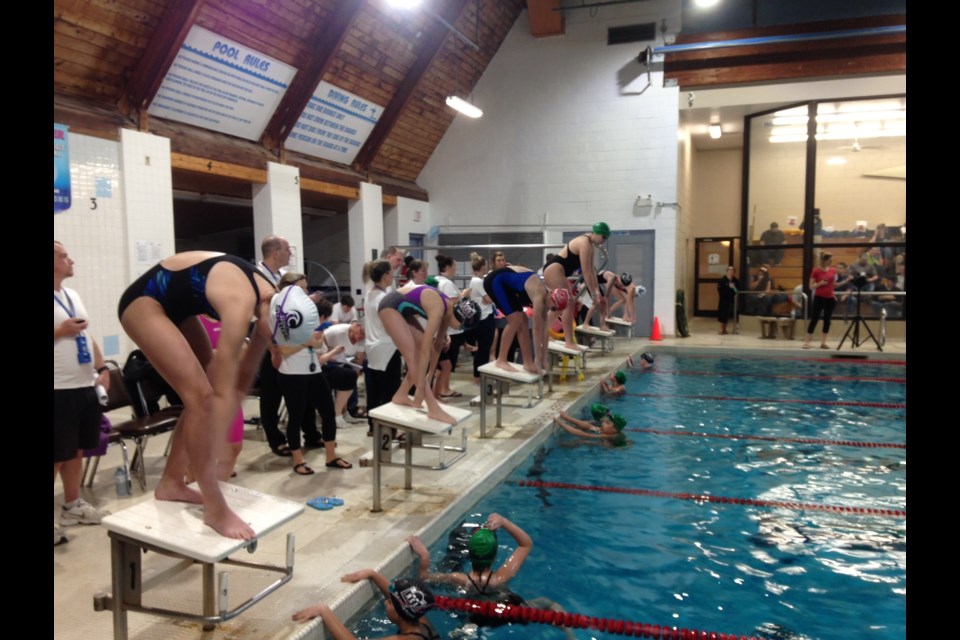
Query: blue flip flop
{"x": 335, "y": 501}
{"x": 320, "y": 503}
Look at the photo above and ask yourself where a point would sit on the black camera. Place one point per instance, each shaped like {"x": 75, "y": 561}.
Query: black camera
{"x": 860, "y": 280}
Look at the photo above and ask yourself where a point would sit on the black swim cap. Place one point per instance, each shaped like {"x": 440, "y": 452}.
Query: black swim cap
{"x": 411, "y": 598}
{"x": 647, "y": 357}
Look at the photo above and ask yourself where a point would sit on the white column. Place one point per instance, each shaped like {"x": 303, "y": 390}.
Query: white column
{"x": 365, "y": 219}
{"x": 276, "y": 210}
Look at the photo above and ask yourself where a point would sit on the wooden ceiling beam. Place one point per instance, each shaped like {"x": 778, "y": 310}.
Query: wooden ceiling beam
{"x": 327, "y": 40}
{"x": 429, "y": 50}
{"x": 165, "y": 43}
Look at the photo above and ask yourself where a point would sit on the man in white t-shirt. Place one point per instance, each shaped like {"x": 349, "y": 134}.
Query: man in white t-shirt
{"x": 345, "y": 311}
{"x": 276, "y": 258}
{"x": 341, "y": 375}
{"x": 78, "y": 366}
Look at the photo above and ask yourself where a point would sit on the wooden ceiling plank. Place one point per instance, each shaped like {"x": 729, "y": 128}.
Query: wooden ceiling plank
{"x": 165, "y": 43}
{"x": 429, "y": 49}
{"x": 65, "y": 32}
{"x": 214, "y": 167}
{"x": 326, "y": 40}
{"x": 91, "y": 23}
{"x": 330, "y": 189}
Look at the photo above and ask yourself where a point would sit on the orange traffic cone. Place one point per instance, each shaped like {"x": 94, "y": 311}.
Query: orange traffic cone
{"x": 655, "y": 334}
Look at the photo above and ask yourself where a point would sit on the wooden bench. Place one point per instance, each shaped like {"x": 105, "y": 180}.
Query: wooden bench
{"x": 415, "y": 423}
{"x": 491, "y": 371}
{"x": 176, "y": 529}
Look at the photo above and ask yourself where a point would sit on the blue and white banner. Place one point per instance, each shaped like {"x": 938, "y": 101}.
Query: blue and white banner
{"x": 334, "y": 125}
{"x": 61, "y": 168}
{"x": 218, "y": 84}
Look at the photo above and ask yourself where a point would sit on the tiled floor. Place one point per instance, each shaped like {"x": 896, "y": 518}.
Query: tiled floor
{"x": 331, "y": 543}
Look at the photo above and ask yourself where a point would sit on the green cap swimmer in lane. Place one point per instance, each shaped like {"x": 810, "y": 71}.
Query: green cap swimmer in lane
{"x": 602, "y": 229}
{"x": 483, "y": 549}
{"x": 620, "y": 377}
{"x": 599, "y": 411}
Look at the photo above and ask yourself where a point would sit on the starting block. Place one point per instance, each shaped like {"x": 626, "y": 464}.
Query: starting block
{"x": 176, "y": 529}
{"x": 620, "y": 322}
{"x": 491, "y": 371}
{"x": 560, "y": 354}
{"x": 415, "y": 423}
{"x": 590, "y": 336}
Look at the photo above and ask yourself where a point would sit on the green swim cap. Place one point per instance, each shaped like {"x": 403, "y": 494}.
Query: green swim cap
{"x": 602, "y": 229}
{"x": 482, "y": 548}
{"x": 620, "y": 377}
{"x": 598, "y": 411}
{"x": 431, "y": 281}
{"x": 618, "y": 421}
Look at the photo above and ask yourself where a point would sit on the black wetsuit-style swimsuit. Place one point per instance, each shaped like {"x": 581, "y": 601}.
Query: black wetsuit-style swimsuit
{"x": 182, "y": 293}
{"x": 570, "y": 263}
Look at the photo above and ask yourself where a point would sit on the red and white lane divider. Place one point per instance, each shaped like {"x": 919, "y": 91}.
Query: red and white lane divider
{"x": 700, "y": 497}
{"x": 730, "y": 436}
{"x": 832, "y": 403}
{"x": 577, "y": 621}
{"x": 782, "y": 376}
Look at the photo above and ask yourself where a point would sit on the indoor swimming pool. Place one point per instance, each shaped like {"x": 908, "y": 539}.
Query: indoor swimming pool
{"x": 755, "y": 496}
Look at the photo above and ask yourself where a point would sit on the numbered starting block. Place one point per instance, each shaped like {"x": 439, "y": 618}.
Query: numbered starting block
{"x": 414, "y": 423}
{"x": 591, "y": 335}
{"x": 176, "y": 529}
{"x": 619, "y": 323}
{"x": 561, "y": 356}
{"x": 497, "y": 381}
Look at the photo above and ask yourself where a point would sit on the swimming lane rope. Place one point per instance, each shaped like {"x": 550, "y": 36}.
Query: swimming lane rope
{"x": 894, "y": 363}
{"x": 730, "y": 436}
{"x": 577, "y": 621}
{"x": 699, "y": 497}
{"x": 783, "y": 376}
{"x": 833, "y": 403}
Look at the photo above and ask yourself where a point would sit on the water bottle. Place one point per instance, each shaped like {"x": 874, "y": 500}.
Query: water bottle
{"x": 121, "y": 482}
{"x": 102, "y": 395}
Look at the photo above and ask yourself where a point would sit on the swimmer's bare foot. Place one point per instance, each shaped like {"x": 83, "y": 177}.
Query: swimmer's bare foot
{"x": 439, "y": 414}
{"x": 173, "y": 491}
{"x": 506, "y": 366}
{"x": 574, "y": 346}
{"x": 403, "y": 399}
{"x": 530, "y": 368}
{"x": 229, "y": 525}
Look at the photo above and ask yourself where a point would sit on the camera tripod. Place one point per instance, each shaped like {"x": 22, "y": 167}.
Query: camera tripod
{"x": 853, "y": 331}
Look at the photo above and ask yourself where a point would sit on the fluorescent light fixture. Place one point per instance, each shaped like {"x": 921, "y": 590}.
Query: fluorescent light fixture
{"x": 715, "y": 131}
{"x": 403, "y": 4}
{"x": 836, "y": 161}
{"x": 703, "y": 4}
{"x": 464, "y": 107}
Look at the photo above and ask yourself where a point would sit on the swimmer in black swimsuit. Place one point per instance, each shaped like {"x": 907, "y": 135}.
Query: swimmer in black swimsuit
{"x": 578, "y": 254}
{"x": 407, "y": 605}
{"x": 159, "y": 312}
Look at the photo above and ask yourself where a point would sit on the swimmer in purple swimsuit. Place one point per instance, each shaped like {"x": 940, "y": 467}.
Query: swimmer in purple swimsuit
{"x": 420, "y": 346}
{"x": 160, "y": 313}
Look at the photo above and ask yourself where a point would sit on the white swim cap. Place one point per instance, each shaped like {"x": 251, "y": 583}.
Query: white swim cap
{"x": 293, "y": 316}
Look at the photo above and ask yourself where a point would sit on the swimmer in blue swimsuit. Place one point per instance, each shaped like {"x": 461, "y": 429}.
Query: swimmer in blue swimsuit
{"x": 420, "y": 345}
{"x": 159, "y": 312}
{"x": 577, "y": 254}
{"x": 511, "y": 289}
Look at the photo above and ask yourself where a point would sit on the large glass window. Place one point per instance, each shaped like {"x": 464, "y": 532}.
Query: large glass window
{"x": 842, "y": 190}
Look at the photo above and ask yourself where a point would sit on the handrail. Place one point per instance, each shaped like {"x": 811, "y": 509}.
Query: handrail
{"x": 865, "y": 294}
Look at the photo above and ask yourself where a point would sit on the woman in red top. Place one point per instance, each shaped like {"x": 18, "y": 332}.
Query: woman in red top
{"x": 821, "y": 283}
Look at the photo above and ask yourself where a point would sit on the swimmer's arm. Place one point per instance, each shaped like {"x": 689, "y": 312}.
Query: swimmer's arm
{"x": 369, "y": 574}
{"x": 573, "y": 430}
{"x": 335, "y": 628}
{"x": 510, "y": 568}
{"x": 581, "y": 424}
{"x": 423, "y": 570}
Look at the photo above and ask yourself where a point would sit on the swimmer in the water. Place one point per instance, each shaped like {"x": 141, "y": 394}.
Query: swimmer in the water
{"x": 646, "y": 362}
{"x": 407, "y": 605}
{"x": 610, "y": 426}
{"x": 613, "y": 385}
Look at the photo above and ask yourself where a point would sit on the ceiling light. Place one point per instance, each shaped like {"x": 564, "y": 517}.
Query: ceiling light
{"x": 464, "y": 107}
{"x": 715, "y": 131}
{"x": 703, "y": 4}
{"x": 836, "y": 161}
{"x": 403, "y": 4}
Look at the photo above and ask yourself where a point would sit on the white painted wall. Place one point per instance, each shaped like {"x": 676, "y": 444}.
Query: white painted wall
{"x": 95, "y": 238}
{"x": 567, "y": 136}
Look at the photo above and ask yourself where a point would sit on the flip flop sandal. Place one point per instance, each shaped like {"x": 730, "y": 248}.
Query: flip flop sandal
{"x": 283, "y": 451}
{"x": 320, "y": 503}
{"x": 452, "y": 394}
{"x": 339, "y": 463}
{"x": 331, "y": 500}
{"x": 303, "y": 470}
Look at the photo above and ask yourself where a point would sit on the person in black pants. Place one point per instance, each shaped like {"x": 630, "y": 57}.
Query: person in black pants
{"x": 382, "y": 368}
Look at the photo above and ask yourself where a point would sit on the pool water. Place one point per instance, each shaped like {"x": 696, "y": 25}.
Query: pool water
{"x": 818, "y": 551}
